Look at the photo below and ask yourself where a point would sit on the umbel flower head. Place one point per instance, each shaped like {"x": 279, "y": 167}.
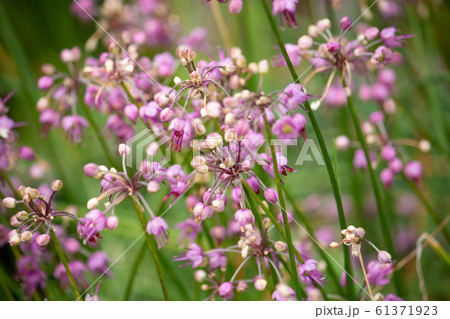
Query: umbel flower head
{"x": 354, "y": 237}
{"x": 39, "y": 213}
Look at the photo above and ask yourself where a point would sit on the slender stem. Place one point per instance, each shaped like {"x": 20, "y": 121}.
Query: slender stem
{"x": 133, "y": 271}
{"x": 437, "y": 247}
{"x": 326, "y": 156}
{"x": 275, "y": 222}
{"x": 226, "y": 38}
{"x": 132, "y": 99}
{"x": 385, "y": 228}
{"x": 365, "y": 276}
{"x": 311, "y": 232}
{"x": 287, "y": 229}
{"x": 63, "y": 259}
{"x": 430, "y": 210}
{"x": 96, "y": 130}
{"x": 8, "y": 181}
{"x": 151, "y": 246}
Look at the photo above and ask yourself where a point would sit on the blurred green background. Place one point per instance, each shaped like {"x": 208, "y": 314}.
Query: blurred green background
{"x": 34, "y": 32}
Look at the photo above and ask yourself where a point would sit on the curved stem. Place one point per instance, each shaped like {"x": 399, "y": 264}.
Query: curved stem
{"x": 287, "y": 229}
{"x": 151, "y": 246}
{"x": 63, "y": 259}
{"x": 323, "y": 148}
{"x": 133, "y": 271}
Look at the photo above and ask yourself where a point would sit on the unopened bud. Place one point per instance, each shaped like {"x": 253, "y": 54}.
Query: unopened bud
{"x": 9, "y": 202}
{"x": 152, "y": 149}
{"x": 124, "y": 149}
{"x": 280, "y": 246}
{"x": 22, "y": 216}
{"x": 26, "y": 236}
{"x": 384, "y": 257}
{"x": 57, "y": 185}
{"x": 153, "y": 187}
{"x": 112, "y": 222}
{"x": 92, "y": 203}
{"x": 43, "y": 240}
{"x": 266, "y": 223}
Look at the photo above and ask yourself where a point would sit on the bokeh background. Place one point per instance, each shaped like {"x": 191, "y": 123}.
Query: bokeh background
{"x": 34, "y": 32}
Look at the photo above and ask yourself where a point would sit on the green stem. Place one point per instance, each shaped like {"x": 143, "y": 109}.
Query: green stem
{"x": 151, "y": 246}
{"x": 275, "y": 223}
{"x": 96, "y": 130}
{"x": 134, "y": 268}
{"x": 132, "y": 99}
{"x": 323, "y": 148}
{"x": 287, "y": 229}
{"x": 63, "y": 259}
{"x": 385, "y": 228}
{"x": 8, "y": 181}
{"x": 430, "y": 210}
{"x": 311, "y": 232}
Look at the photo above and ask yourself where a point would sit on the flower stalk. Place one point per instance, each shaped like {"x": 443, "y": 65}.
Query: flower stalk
{"x": 152, "y": 247}
{"x": 63, "y": 259}
{"x": 326, "y": 156}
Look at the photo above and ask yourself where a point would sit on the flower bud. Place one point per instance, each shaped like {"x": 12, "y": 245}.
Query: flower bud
{"x": 304, "y": 42}
{"x": 334, "y": 244}
{"x": 57, "y": 185}
{"x": 242, "y": 128}
{"x": 166, "y": 115}
{"x": 124, "y": 149}
{"x": 152, "y": 149}
{"x": 243, "y": 217}
{"x": 313, "y": 31}
{"x": 271, "y": 195}
{"x": 43, "y": 240}
{"x": 413, "y": 171}
{"x": 9, "y": 202}
{"x": 263, "y": 67}
{"x": 45, "y": 82}
{"x": 213, "y": 109}
{"x": 342, "y": 142}
{"x": 253, "y": 68}
{"x": 388, "y": 153}
{"x": 241, "y": 286}
{"x": 27, "y": 153}
{"x": 235, "y": 6}
{"x": 424, "y": 146}
{"x": 324, "y": 24}
{"x": 91, "y": 170}
{"x": 112, "y": 222}
{"x": 22, "y": 216}
{"x": 387, "y": 177}
{"x": 131, "y": 112}
{"x": 267, "y": 223}
{"x": 345, "y": 23}
{"x": 384, "y": 257}
{"x": 280, "y": 246}
{"x": 92, "y": 203}
{"x": 260, "y": 283}
{"x": 161, "y": 99}
{"x": 371, "y": 33}
{"x": 153, "y": 187}
{"x": 26, "y": 236}
{"x": 226, "y": 290}
{"x": 200, "y": 275}
{"x": 14, "y": 221}
{"x": 14, "y": 240}
{"x": 396, "y": 165}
